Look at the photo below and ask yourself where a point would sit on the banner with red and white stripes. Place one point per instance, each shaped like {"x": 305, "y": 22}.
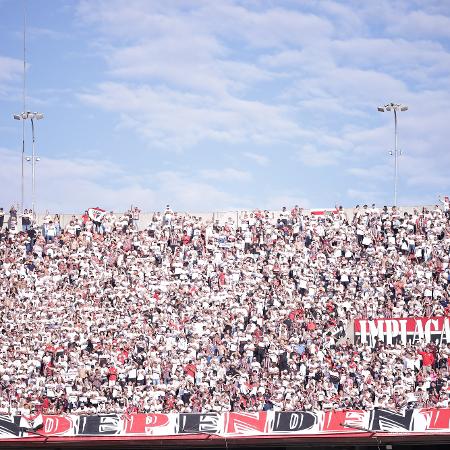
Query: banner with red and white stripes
{"x": 232, "y": 424}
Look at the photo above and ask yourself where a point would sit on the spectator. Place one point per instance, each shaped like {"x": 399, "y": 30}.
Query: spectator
{"x": 26, "y": 220}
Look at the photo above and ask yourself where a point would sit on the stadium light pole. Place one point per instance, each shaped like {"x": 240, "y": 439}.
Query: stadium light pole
{"x": 19, "y": 117}
{"x": 395, "y": 107}
{"x": 32, "y": 116}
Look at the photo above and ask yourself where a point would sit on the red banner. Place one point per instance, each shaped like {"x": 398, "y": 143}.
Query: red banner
{"x": 403, "y": 330}
{"x": 233, "y": 424}
{"x": 324, "y": 212}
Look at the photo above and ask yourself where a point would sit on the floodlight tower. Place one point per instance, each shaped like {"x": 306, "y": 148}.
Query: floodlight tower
{"x": 33, "y": 158}
{"x": 395, "y": 107}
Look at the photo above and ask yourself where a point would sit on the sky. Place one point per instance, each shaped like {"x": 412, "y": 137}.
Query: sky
{"x": 220, "y": 105}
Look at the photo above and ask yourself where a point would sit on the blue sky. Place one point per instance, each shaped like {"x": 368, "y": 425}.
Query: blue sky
{"x": 216, "y": 105}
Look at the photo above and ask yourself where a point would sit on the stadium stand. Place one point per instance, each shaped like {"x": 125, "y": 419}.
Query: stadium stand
{"x": 186, "y": 314}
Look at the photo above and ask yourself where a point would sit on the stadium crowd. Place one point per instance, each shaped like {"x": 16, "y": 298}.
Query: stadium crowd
{"x": 194, "y": 315}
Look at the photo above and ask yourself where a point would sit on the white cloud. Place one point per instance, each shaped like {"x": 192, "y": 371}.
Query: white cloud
{"x": 40, "y": 32}
{"x": 188, "y": 194}
{"x": 346, "y": 20}
{"x": 289, "y": 199}
{"x": 421, "y": 24}
{"x": 226, "y": 174}
{"x": 198, "y": 63}
{"x": 272, "y": 27}
{"x": 357, "y": 88}
{"x": 10, "y": 71}
{"x": 393, "y": 55}
{"x": 259, "y": 159}
{"x": 9, "y": 68}
{"x": 72, "y": 185}
{"x": 177, "y": 120}
{"x": 366, "y": 196}
{"x": 311, "y": 156}
{"x": 260, "y": 28}
{"x": 378, "y": 172}
{"x": 187, "y": 63}
{"x": 425, "y": 171}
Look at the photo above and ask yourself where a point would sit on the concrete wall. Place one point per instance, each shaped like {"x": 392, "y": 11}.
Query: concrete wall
{"x": 221, "y": 216}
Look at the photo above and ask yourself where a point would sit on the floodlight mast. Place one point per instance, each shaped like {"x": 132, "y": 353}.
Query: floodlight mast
{"x": 32, "y": 116}
{"x": 395, "y": 107}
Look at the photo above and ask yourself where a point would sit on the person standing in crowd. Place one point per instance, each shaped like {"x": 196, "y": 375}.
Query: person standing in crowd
{"x": 12, "y": 220}
{"x": 32, "y": 236}
{"x": 26, "y": 220}
{"x": 446, "y": 205}
{"x": 57, "y": 222}
{"x": 50, "y": 232}
{"x": 168, "y": 215}
{"x": 135, "y": 211}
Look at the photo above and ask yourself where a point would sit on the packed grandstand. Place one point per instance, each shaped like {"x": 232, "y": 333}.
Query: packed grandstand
{"x": 187, "y": 314}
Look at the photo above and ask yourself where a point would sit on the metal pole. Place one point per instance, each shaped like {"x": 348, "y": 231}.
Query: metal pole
{"x": 396, "y": 108}
{"x": 395, "y": 157}
{"x": 24, "y": 100}
{"x": 22, "y": 174}
{"x": 33, "y": 169}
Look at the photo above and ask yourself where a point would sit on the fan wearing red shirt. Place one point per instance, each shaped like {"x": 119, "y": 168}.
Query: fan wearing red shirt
{"x": 427, "y": 360}
{"x": 45, "y": 403}
{"x": 296, "y": 314}
{"x": 190, "y": 370}
{"x": 185, "y": 238}
{"x": 170, "y": 403}
{"x": 221, "y": 278}
{"x": 122, "y": 357}
{"x": 112, "y": 376}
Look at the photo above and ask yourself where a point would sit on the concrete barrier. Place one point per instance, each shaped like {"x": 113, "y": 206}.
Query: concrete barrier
{"x": 221, "y": 216}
